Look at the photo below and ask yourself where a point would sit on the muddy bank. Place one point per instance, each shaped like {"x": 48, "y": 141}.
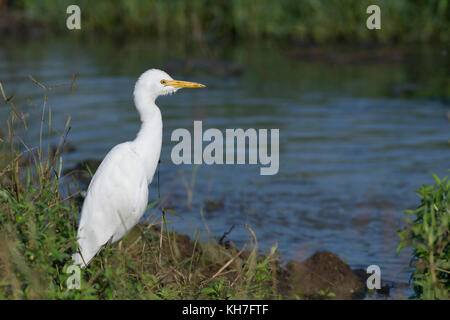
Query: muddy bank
{"x": 324, "y": 275}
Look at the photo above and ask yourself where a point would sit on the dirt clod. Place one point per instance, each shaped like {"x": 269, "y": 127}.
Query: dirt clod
{"x": 323, "y": 275}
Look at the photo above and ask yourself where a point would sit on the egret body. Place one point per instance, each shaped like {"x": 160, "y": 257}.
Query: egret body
{"x": 118, "y": 192}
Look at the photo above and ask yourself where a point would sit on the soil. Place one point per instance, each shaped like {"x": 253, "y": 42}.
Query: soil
{"x": 323, "y": 275}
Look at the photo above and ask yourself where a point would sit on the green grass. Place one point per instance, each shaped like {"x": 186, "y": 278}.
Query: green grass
{"x": 308, "y": 20}
{"x": 38, "y": 236}
{"x": 428, "y": 232}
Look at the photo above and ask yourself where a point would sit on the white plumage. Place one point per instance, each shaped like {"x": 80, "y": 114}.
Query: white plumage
{"x": 118, "y": 193}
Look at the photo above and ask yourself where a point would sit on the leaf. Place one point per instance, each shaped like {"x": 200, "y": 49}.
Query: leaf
{"x": 89, "y": 171}
{"x": 435, "y": 177}
{"x": 172, "y": 212}
{"x": 151, "y": 205}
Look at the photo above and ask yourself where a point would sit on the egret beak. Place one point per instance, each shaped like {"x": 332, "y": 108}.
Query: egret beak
{"x": 184, "y": 84}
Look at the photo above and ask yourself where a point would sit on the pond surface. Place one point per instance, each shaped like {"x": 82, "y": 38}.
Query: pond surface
{"x": 360, "y": 130}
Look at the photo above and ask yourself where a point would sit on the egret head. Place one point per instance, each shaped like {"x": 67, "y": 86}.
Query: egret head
{"x": 154, "y": 83}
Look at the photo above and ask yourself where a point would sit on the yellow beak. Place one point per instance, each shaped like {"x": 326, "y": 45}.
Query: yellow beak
{"x": 184, "y": 84}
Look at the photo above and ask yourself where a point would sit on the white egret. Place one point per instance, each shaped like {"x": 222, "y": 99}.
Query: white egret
{"x": 118, "y": 192}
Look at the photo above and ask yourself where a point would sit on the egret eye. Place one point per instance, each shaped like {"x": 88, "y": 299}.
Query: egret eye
{"x": 163, "y": 81}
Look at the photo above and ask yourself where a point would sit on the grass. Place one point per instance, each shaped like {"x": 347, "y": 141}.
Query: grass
{"x": 428, "y": 233}
{"x": 308, "y": 20}
{"x": 38, "y": 235}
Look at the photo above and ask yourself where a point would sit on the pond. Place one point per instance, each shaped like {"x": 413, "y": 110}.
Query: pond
{"x": 360, "y": 130}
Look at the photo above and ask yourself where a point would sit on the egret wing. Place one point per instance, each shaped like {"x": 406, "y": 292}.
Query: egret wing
{"x": 116, "y": 199}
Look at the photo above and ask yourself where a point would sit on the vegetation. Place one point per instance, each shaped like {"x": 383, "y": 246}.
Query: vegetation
{"x": 38, "y": 236}
{"x": 428, "y": 234}
{"x": 308, "y": 20}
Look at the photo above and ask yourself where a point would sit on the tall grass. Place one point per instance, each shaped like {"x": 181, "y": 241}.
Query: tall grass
{"x": 38, "y": 235}
{"x": 317, "y": 20}
{"x": 428, "y": 232}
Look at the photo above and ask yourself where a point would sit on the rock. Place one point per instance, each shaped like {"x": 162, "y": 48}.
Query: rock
{"x": 323, "y": 276}
{"x": 213, "y": 205}
{"x": 385, "y": 289}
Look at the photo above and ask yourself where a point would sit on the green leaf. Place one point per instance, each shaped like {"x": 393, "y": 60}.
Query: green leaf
{"x": 151, "y": 205}
{"x": 435, "y": 177}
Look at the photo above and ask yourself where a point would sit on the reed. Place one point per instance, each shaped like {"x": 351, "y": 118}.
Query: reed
{"x": 307, "y": 20}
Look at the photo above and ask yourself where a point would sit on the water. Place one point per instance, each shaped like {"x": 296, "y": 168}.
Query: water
{"x": 360, "y": 131}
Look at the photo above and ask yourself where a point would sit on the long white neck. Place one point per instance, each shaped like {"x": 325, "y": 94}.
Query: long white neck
{"x": 148, "y": 141}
